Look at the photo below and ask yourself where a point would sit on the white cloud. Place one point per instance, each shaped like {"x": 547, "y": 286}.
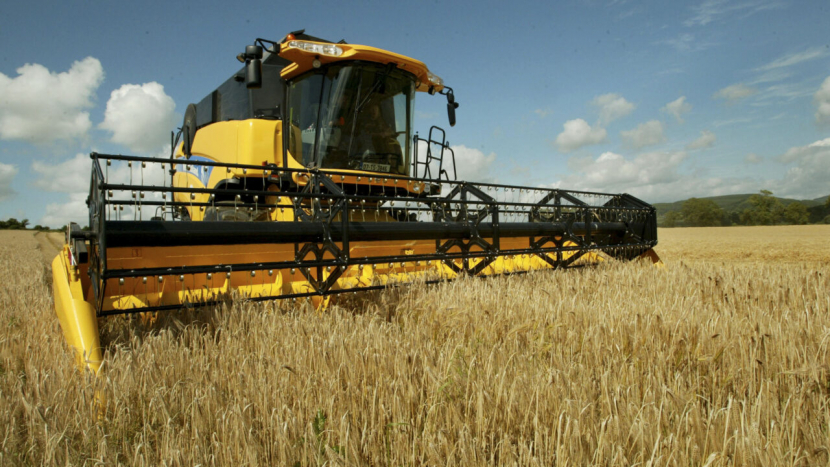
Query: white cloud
{"x": 794, "y": 58}
{"x": 615, "y": 172}
{"x": 809, "y": 175}
{"x": 472, "y": 164}
{"x": 716, "y": 10}
{"x": 612, "y": 107}
{"x": 734, "y": 92}
{"x": 59, "y": 214}
{"x": 771, "y": 76}
{"x": 822, "y": 98}
{"x": 578, "y": 133}
{"x": 706, "y": 140}
{"x": 800, "y": 153}
{"x": 677, "y": 108}
{"x": 71, "y": 176}
{"x": 7, "y": 174}
{"x": 660, "y": 176}
{"x": 646, "y": 134}
{"x": 788, "y": 91}
{"x": 542, "y": 113}
{"x": 43, "y": 106}
{"x": 140, "y": 116}
{"x": 753, "y": 158}
{"x": 654, "y": 177}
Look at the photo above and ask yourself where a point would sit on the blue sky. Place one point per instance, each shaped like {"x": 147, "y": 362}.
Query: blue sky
{"x": 664, "y": 100}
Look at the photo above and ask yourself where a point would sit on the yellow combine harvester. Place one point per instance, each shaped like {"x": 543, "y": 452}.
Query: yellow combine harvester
{"x": 300, "y": 177}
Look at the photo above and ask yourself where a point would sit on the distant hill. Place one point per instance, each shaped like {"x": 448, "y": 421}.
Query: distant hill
{"x": 737, "y": 203}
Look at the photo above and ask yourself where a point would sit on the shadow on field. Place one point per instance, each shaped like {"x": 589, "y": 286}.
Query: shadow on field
{"x": 382, "y": 303}
{"x": 116, "y": 331}
{"x": 120, "y": 330}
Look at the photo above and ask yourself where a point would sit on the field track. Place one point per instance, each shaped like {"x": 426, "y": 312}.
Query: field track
{"x": 49, "y": 243}
{"x": 720, "y": 358}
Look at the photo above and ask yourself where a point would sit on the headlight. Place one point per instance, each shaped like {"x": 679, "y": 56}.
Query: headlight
{"x": 322, "y": 49}
{"x": 434, "y": 79}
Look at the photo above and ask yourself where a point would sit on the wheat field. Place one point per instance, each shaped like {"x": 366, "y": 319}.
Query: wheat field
{"x": 720, "y": 358}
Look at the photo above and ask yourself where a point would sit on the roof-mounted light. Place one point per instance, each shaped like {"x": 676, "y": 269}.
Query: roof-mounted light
{"x": 434, "y": 79}
{"x": 322, "y": 49}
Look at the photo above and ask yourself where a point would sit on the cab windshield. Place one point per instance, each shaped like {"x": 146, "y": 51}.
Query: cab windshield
{"x": 355, "y": 116}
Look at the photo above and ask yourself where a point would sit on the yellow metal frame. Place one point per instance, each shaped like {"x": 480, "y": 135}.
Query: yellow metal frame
{"x": 76, "y": 315}
{"x": 259, "y": 142}
{"x": 303, "y": 61}
{"x": 74, "y": 300}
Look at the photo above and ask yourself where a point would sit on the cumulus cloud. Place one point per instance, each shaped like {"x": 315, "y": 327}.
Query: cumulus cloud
{"x": 74, "y": 175}
{"x": 706, "y": 140}
{"x": 677, "y": 108}
{"x": 734, "y": 92}
{"x": 660, "y": 176}
{"x": 810, "y": 170}
{"x": 472, "y": 164}
{"x": 74, "y": 210}
{"x": 646, "y": 134}
{"x": 578, "y": 133}
{"x": 822, "y": 99}
{"x": 43, "y": 106}
{"x": 7, "y": 174}
{"x": 615, "y": 172}
{"x": 70, "y": 177}
{"x": 612, "y": 107}
{"x": 140, "y": 116}
{"x": 654, "y": 177}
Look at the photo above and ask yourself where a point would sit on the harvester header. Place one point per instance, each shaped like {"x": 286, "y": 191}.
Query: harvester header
{"x": 301, "y": 177}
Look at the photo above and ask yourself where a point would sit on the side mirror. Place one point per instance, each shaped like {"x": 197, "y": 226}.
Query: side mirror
{"x": 253, "y": 66}
{"x": 451, "y": 106}
{"x": 253, "y": 74}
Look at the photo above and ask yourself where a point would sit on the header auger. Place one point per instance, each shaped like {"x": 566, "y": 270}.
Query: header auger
{"x": 300, "y": 177}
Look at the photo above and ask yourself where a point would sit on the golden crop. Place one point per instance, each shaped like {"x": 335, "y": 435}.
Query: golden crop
{"x": 720, "y": 358}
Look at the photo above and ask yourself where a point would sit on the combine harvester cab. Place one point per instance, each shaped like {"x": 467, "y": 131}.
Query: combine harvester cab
{"x": 300, "y": 178}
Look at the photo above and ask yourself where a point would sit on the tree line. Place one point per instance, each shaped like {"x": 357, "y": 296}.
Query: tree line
{"x": 14, "y": 224}
{"x": 764, "y": 209}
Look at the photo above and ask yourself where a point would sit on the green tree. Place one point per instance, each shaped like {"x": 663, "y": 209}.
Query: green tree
{"x": 766, "y": 210}
{"x": 701, "y": 212}
{"x": 671, "y": 219}
{"x": 746, "y": 217}
{"x": 24, "y": 223}
{"x": 732, "y": 218}
{"x": 796, "y": 213}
